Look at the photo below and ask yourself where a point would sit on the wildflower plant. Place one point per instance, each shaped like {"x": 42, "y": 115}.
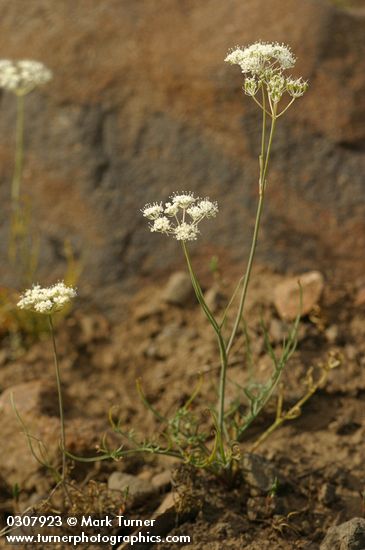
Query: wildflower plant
{"x": 264, "y": 67}
{"x": 47, "y": 301}
{"x": 21, "y": 78}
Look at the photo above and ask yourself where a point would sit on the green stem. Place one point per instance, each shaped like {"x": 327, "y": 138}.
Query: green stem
{"x": 19, "y": 152}
{"x": 262, "y": 185}
{"x": 222, "y": 349}
{"x": 60, "y": 400}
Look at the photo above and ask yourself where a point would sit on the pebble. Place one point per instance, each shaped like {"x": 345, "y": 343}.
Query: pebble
{"x": 178, "y": 290}
{"x": 162, "y": 480}
{"x": 259, "y": 472}
{"x": 214, "y": 298}
{"x": 287, "y": 294}
{"x": 346, "y": 536}
{"x": 360, "y": 297}
{"x": 332, "y": 334}
{"x": 327, "y": 493}
{"x": 138, "y": 489}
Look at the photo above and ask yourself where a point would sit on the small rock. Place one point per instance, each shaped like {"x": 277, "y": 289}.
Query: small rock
{"x": 259, "y": 472}
{"x": 347, "y": 536}
{"x": 146, "y": 475}
{"x": 167, "y": 516}
{"x": 350, "y": 352}
{"x": 149, "y": 309}
{"x": 179, "y": 289}
{"x": 4, "y": 355}
{"x": 259, "y": 508}
{"x": 327, "y": 493}
{"x": 214, "y": 298}
{"x": 332, "y": 334}
{"x": 162, "y": 480}
{"x": 106, "y": 357}
{"x": 93, "y": 327}
{"x": 138, "y": 490}
{"x": 168, "y": 504}
{"x": 360, "y": 297}
{"x": 277, "y": 331}
{"x": 287, "y": 294}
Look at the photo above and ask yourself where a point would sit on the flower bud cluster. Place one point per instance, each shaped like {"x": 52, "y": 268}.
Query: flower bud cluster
{"x": 46, "y": 300}
{"x": 21, "y": 77}
{"x": 296, "y": 87}
{"x": 180, "y": 216}
{"x": 276, "y": 86}
{"x": 251, "y": 86}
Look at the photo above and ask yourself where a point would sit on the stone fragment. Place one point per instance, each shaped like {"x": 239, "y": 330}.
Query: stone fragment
{"x": 259, "y": 472}
{"x": 167, "y": 516}
{"x": 168, "y": 504}
{"x": 162, "y": 480}
{"x": 148, "y": 309}
{"x": 179, "y": 290}
{"x": 327, "y": 493}
{"x": 137, "y": 490}
{"x": 331, "y": 334}
{"x": 360, "y": 297}
{"x": 346, "y": 536}
{"x": 93, "y": 327}
{"x": 287, "y": 294}
{"x": 262, "y": 507}
{"x": 277, "y": 331}
{"x": 214, "y": 298}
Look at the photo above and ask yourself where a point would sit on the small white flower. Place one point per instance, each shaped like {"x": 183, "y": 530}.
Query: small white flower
{"x": 184, "y": 200}
{"x": 161, "y": 225}
{"x": 208, "y": 208}
{"x": 152, "y": 211}
{"x": 186, "y": 232}
{"x": 171, "y": 209}
{"x": 21, "y": 77}
{"x": 194, "y": 212}
{"x": 47, "y": 300}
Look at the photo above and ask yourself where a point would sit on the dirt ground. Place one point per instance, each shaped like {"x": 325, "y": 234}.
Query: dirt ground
{"x": 319, "y": 457}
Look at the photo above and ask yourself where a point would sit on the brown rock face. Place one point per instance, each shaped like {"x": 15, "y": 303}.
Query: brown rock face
{"x": 142, "y": 104}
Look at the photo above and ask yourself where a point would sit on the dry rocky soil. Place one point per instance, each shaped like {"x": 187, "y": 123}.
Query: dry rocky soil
{"x": 315, "y": 462}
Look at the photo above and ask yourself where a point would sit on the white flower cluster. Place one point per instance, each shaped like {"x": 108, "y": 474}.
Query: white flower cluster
{"x": 47, "y": 300}
{"x": 180, "y": 216}
{"x": 21, "y": 77}
{"x": 259, "y": 57}
{"x": 264, "y": 63}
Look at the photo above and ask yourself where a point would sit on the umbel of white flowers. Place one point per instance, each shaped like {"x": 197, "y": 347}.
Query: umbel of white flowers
{"x": 47, "y": 300}
{"x": 263, "y": 64}
{"x": 21, "y": 77}
{"x": 180, "y": 216}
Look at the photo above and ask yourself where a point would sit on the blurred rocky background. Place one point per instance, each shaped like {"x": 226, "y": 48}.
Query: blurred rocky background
{"x": 142, "y": 104}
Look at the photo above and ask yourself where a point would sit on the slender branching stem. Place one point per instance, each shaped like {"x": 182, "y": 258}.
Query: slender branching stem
{"x": 16, "y": 226}
{"x": 292, "y": 413}
{"x": 19, "y": 152}
{"x": 264, "y": 162}
{"x": 60, "y": 399}
{"x": 222, "y": 348}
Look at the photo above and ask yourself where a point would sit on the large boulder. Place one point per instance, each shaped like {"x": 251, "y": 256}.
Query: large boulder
{"x": 142, "y": 104}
